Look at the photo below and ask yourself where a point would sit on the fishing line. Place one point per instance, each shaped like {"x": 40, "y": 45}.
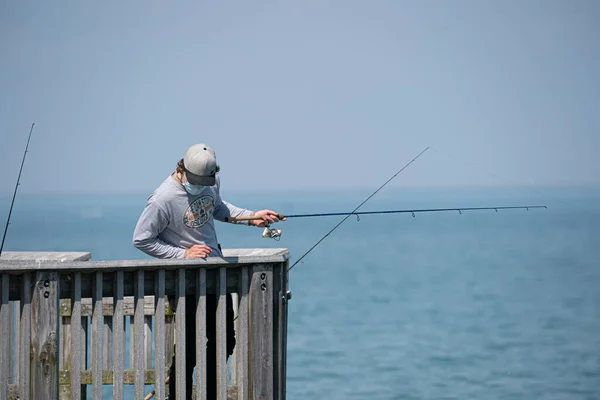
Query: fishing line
{"x": 16, "y": 188}
{"x": 348, "y": 216}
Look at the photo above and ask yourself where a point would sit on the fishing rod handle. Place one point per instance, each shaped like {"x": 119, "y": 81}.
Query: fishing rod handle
{"x": 250, "y": 218}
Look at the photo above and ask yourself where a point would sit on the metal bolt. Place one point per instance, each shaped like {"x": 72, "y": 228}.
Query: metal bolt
{"x": 263, "y": 287}
{"x": 46, "y": 294}
{"x": 288, "y": 295}
{"x": 263, "y": 276}
{"x": 46, "y": 283}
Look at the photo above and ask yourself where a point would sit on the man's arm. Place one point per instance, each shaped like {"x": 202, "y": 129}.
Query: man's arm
{"x": 266, "y": 216}
{"x": 145, "y": 237}
{"x": 224, "y": 210}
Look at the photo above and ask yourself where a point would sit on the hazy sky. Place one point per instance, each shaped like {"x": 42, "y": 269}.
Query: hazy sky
{"x": 299, "y": 94}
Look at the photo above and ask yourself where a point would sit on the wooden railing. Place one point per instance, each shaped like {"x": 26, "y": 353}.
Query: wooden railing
{"x": 64, "y": 322}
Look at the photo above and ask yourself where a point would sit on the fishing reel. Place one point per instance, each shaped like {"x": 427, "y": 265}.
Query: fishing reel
{"x": 272, "y": 233}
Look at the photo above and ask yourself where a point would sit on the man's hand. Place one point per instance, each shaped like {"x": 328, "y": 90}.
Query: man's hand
{"x": 198, "y": 251}
{"x": 268, "y": 217}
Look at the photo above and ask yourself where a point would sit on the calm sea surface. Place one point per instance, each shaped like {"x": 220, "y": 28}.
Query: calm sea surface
{"x": 479, "y": 305}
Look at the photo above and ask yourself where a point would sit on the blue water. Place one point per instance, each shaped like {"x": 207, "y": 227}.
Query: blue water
{"x": 478, "y": 305}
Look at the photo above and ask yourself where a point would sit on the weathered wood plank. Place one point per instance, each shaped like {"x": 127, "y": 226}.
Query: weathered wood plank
{"x": 132, "y": 338}
{"x": 261, "y": 332}
{"x": 148, "y": 342}
{"x": 232, "y": 258}
{"x": 180, "y": 338}
{"x": 65, "y": 392}
{"x": 64, "y": 363}
{"x": 119, "y": 337}
{"x": 235, "y": 301}
{"x": 222, "y": 335}
{"x": 17, "y": 340}
{"x": 107, "y": 347}
{"x": 4, "y": 333}
{"x": 242, "y": 336}
{"x": 138, "y": 332}
{"x": 44, "y": 336}
{"x": 159, "y": 336}
{"x": 277, "y": 304}
{"x": 232, "y": 393}
{"x": 201, "y": 388}
{"x": 169, "y": 343}
{"x": 44, "y": 256}
{"x": 170, "y": 284}
{"x": 85, "y": 354}
{"x": 65, "y": 344}
{"x": 65, "y": 353}
{"x": 283, "y": 367}
{"x": 25, "y": 338}
{"x": 77, "y": 339}
{"x": 96, "y": 342}
{"x": 264, "y": 255}
{"x": 13, "y": 391}
{"x": 109, "y": 376}
{"x": 10, "y": 340}
{"x": 108, "y": 306}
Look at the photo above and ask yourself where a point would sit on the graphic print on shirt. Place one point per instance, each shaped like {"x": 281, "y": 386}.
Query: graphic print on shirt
{"x": 199, "y": 212}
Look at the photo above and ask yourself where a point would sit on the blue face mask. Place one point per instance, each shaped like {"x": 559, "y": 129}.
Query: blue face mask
{"x": 194, "y": 190}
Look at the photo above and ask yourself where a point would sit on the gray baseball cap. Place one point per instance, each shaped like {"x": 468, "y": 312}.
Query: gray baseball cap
{"x": 200, "y": 164}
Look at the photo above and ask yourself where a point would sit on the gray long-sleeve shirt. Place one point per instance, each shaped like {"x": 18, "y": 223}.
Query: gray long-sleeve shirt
{"x": 173, "y": 219}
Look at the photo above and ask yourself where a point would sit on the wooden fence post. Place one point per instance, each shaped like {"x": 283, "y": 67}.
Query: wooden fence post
{"x": 261, "y": 333}
{"x": 5, "y": 327}
{"x": 25, "y": 339}
{"x": 44, "y": 336}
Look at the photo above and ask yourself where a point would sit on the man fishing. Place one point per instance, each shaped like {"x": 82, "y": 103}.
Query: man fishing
{"x": 178, "y": 222}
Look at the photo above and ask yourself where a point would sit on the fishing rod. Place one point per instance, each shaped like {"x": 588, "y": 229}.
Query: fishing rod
{"x": 413, "y": 211}
{"x": 276, "y": 233}
{"x": 16, "y": 188}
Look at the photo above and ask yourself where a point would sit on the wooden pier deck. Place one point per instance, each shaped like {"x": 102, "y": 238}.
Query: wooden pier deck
{"x": 64, "y": 320}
